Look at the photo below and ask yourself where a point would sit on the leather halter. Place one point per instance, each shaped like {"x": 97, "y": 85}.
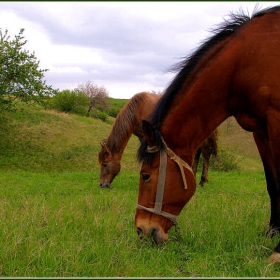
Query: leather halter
{"x": 161, "y": 180}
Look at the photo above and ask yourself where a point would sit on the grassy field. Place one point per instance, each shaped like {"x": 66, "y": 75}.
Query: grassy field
{"x": 57, "y": 222}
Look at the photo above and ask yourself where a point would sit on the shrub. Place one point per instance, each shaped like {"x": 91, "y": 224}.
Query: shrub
{"x": 113, "y": 112}
{"x": 102, "y": 116}
{"x": 69, "y": 101}
{"x": 226, "y": 161}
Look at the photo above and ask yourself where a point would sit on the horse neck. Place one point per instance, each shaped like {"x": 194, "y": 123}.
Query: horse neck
{"x": 129, "y": 121}
{"x": 117, "y": 140}
{"x": 199, "y": 109}
{"x": 124, "y": 126}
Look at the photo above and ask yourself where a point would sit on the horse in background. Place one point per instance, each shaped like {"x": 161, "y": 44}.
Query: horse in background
{"x": 128, "y": 122}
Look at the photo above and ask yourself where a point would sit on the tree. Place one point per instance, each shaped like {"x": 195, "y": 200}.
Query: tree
{"x": 97, "y": 95}
{"x": 20, "y": 76}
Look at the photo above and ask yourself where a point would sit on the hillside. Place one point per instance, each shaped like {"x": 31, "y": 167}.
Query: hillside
{"x": 38, "y": 140}
{"x": 34, "y": 139}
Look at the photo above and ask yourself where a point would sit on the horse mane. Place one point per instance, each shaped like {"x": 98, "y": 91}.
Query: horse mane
{"x": 126, "y": 121}
{"x": 188, "y": 64}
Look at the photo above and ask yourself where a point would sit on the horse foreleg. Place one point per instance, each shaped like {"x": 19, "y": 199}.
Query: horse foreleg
{"x": 269, "y": 149}
{"x": 271, "y": 184}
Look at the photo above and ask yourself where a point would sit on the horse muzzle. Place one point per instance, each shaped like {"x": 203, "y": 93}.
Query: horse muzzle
{"x": 154, "y": 233}
{"x": 104, "y": 184}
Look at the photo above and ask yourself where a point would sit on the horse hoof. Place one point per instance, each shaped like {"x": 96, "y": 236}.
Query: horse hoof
{"x": 274, "y": 258}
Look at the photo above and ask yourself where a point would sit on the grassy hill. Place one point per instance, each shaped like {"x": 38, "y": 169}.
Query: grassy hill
{"x": 38, "y": 140}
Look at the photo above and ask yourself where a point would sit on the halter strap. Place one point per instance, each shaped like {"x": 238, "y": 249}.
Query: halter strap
{"x": 181, "y": 163}
{"x": 166, "y": 215}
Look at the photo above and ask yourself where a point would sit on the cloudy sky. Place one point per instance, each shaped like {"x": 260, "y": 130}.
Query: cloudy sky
{"x": 127, "y": 47}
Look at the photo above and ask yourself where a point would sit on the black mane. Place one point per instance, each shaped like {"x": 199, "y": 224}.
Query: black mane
{"x": 185, "y": 68}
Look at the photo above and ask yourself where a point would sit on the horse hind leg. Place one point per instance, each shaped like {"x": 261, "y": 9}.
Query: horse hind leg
{"x": 204, "y": 175}
{"x": 206, "y": 151}
{"x": 196, "y": 161}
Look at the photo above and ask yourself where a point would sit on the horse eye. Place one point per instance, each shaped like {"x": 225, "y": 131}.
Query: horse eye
{"x": 105, "y": 164}
{"x": 146, "y": 177}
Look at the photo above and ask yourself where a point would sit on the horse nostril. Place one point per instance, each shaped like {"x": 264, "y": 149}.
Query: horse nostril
{"x": 104, "y": 185}
{"x": 154, "y": 234}
{"x": 139, "y": 231}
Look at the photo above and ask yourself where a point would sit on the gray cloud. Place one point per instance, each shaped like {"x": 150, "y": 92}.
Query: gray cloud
{"x": 135, "y": 46}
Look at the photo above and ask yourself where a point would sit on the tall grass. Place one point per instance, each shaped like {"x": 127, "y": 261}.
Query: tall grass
{"x": 63, "y": 224}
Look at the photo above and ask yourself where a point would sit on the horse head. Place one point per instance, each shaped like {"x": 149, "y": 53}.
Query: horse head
{"x": 110, "y": 166}
{"x": 164, "y": 189}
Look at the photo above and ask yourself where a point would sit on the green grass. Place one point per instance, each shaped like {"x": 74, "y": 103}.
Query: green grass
{"x": 63, "y": 224}
{"x": 57, "y": 222}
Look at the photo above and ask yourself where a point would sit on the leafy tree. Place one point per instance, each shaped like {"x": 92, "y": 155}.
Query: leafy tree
{"x": 97, "y": 95}
{"x": 20, "y": 76}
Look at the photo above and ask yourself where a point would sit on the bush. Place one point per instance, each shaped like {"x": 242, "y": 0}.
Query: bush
{"x": 70, "y": 101}
{"x": 113, "y": 112}
{"x": 226, "y": 161}
{"x": 102, "y": 115}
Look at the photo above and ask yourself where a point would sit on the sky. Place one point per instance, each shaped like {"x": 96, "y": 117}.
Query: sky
{"x": 126, "y": 47}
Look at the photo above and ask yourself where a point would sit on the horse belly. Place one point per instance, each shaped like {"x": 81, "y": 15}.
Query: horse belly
{"x": 251, "y": 123}
{"x": 255, "y": 102}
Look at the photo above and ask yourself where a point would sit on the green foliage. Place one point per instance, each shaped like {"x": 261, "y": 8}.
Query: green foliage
{"x": 70, "y": 101}
{"x": 102, "y": 116}
{"x": 98, "y": 114}
{"x": 226, "y": 160}
{"x": 76, "y": 101}
{"x": 113, "y": 112}
{"x": 20, "y": 76}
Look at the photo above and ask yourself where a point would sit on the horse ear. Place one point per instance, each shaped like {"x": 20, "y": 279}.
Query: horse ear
{"x": 148, "y": 133}
{"x": 104, "y": 146}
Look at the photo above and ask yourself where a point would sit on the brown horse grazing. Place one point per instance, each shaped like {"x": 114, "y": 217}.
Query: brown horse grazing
{"x": 128, "y": 122}
{"x": 233, "y": 73}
